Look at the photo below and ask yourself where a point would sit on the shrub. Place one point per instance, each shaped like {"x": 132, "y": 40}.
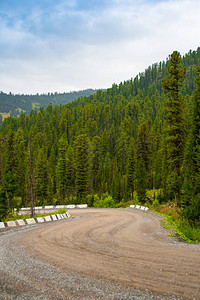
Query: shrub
{"x": 104, "y": 201}
{"x": 155, "y": 203}
{"x": 109, "y": 202}
{"x": 60, "y": 211}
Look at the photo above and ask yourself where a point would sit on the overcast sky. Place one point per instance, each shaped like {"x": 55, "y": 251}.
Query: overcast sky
{"x": 67, "y": 45}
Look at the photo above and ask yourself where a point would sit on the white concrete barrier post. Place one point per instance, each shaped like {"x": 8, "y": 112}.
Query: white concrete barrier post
{"x": 11, "y": 224}
{"x": 30, "y": 221}
{"x": 49, "y": 207}
{"x": 40, "y": 220}
{"x": 59, "y": 206}
{"x": 70, "y": 206}
{"x": 81, "y": 206}
{"x": 2, "y": 225}
{"x": 58, "y": 217}
{"x": 21, "y": 222}
{"x": 47, "y": 218}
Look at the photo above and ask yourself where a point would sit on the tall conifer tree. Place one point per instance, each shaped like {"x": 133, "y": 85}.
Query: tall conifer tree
{"x": 83, "y": 166}
{"x": 61, "y": 170}
{"x": 172, "y": 84}
{"x": 143, "y": 155}
{"x": 191, "y": 166}
{"x": 131, "y": 170}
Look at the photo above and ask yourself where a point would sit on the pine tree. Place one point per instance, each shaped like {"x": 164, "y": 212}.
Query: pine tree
{"x": 196, "y": 132}
{"x": 21, "y": 164}
{"x": 131, "y": 170}
{"x": 141, "y": 186}
{"x": 31, "y": 181}
{"x": 191, "y": 166}
{"x": 61, "y": 170}
{"x": 143, "y": 154}
{"x": 70, "y": 171}
{"x": 41, "y": 174}
{"x": 1, "y": 160}
{"x": 10, "y": 183}
{"x": 175, "y": 122}
{"x": 83, "y": 166}
{"x": 121, "y": 151}
{"x": 96, "y": 163}
{"x": 3, "y": 205}
{"x": 106, "y": 178}
{"x": 53, "y": 165}
{"x": 116, "y": 182}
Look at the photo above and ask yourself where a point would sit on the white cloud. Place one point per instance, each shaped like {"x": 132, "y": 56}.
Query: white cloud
{"x": 68, "y": 49}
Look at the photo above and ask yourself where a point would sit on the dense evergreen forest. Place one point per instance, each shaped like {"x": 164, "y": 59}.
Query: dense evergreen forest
{"x": 16, "y": 104}
{"x": 143, "y": 134}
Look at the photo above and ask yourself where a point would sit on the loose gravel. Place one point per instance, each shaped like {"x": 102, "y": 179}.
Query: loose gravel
{"x": 24, "y": 277}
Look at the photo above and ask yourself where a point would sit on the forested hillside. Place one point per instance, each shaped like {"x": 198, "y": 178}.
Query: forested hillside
{"x": 143, "y": 134}
{"x": 16, "y": 104}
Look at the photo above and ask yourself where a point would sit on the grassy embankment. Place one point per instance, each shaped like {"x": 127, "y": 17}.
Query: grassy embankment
{"x": 173, "y": 218}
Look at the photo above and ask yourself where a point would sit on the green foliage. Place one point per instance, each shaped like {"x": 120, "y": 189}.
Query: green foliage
{"x": 143, "y": 156}
{"x": 3, "y": 205}
{"x": 175, "y": 124}
{"x": 191, "y": 165}
{"x": 83, "y": 166}
{"x": 191, "y": 211}
{"x": 62, "y": 170}
{"x": 16, "y": 104}
{"x": 42, "y": 177}
{"x": 104, "y": 201}
{"x": 123, "y": 204}
{"x": 122, "y": 142}
{"x": 155, "y": 203}
{"x": 60, "y": 211}
{"x": 181, "y": 227}
{"x": 131, "y": 169}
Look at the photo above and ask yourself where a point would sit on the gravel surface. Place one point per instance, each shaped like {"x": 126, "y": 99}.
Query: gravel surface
{"x": 88, "y": 257}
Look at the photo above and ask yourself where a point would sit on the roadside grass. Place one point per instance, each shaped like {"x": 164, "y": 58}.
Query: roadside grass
{"x": 17, "y": 216}
{"x": 172, "y": 219}
{"x": 106, "y": 201}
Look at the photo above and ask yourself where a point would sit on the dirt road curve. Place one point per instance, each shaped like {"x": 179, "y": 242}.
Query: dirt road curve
{"x": 126, "y": 250}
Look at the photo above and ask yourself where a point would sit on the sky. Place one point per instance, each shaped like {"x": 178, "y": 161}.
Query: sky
{"x": 68, "y": 45}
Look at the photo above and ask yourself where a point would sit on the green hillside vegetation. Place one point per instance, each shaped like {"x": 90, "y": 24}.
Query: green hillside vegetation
{"x": 14, "y": 105}
{"x": 136, "y": 142}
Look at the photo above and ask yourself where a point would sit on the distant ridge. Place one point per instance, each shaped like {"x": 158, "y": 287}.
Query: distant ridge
{"x": 13, "y": 105}
{"x": 144, "y": 84}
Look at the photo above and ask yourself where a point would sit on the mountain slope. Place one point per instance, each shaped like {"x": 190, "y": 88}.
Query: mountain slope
{"x": 16, "y": 104}
{"x": 106, "y": 148}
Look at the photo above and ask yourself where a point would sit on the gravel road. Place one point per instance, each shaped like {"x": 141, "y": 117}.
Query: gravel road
{"x": 98, "y": 254}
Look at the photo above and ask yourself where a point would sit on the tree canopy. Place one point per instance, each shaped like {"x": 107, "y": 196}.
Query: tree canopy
{"x": 141, "y": 134}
